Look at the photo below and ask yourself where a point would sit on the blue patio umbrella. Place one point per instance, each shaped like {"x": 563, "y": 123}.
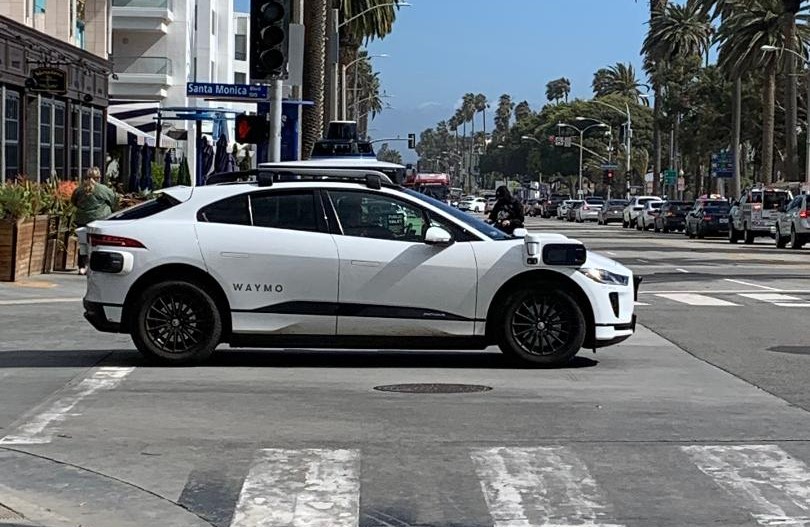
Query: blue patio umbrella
{"x": 146, "y": 168}
{"x": 134, "y": 167}
{"x": 221, "y": 156}
{"x": 206, "y": 157}
{"x": 167, "y": 169}
{"x": 220, "y": 127}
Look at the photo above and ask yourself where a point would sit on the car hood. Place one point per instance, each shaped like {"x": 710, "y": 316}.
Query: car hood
{"x": 597, "y": 261}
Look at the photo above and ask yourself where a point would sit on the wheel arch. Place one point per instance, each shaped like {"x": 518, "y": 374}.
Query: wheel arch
{"x": 549, "y": 276}
{"x": 183, "y": 272}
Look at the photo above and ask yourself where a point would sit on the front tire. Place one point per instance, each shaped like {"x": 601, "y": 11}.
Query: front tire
{"x": 176, "y": 322}
{"x": 541, "y": 325}
{"x": 733, "y": 236}
{"x": 780, "y": 240}
{"x": 795, "y": 241}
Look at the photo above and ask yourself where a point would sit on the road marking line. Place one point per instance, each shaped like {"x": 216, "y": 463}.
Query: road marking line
{"x": 721, "y": 292}
{"x": 696, "y": 300}
{"x": 23, "y": 301}
{"x": 642, "y": 260}
{"x": 36, "y": 431}
{"x": 749, "y": 284}
{"x": 301, "y": 488}
{"x": 539, "y": 486}
{"x": 774, "y": 485}
{"x": 771, "y": 297}
{"x": 610, "y": 253}
{"x": 681, "y": 270}
{"x": 640, "y": 304}
{"x": 795, "y": 304}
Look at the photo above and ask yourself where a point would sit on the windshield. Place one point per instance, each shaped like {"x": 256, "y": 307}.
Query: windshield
{"x": 463, "y": 217}
{"x": 642, "y": 201}
{"x": 618, "y": 203}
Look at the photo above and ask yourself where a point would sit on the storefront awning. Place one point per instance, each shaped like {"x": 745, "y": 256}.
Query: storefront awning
{"x": 122, "y": 129}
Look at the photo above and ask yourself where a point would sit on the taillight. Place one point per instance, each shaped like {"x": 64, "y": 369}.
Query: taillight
{"x": 707, "y": 218}
{"x": 757, "y": 206}
{"x": 585, "y": 207}
{"x": 670, "y": 213}
{"x": 803, "y": 214}
{"x": 98, "y": 240}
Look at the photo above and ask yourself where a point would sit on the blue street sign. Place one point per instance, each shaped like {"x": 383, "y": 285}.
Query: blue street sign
{"x": 722, "y": 165}
{"x": 225, "y": 91}
{"x": 609, "y": 166}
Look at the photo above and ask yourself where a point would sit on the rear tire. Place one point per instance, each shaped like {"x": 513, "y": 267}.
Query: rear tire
{"x": 541, "y": 325}
{"x": 748, "y": 236}
{"x": 795, "y": 241}
{"x": 177, "y": 323}
{"x": 779, "y": 239}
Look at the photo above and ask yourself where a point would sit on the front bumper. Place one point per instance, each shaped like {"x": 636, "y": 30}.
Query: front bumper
{"x": 95, "y": 314}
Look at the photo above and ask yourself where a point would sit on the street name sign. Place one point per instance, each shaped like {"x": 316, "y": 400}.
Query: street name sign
{"x": 722, "y": 165}
{"x": 670, "y": 177}
{"x": 226, "y": 91}
{"x": 609, "y": 166}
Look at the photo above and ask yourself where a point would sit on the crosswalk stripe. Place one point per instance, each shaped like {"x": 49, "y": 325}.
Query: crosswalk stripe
{"x": 771, "y": 297}
{"x": 539, "y": 486}
{"x": 301, "y": 488}
{"x": 792, "y": 304}
{"x": 694, "y": 299}
{"x": 38, "y": 430}
{"x": 774, "y": 485}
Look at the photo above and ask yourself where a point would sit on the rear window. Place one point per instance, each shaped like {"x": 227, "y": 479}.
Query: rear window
{"x": 618, "y": 203}
{"x": 642, "y": 201}
{"x": 656, "y": 205}
{"x": 774, "y": 200}
{"x": 145, "y": 209}
{"x": 233, "y": 210}
{"x": 717, "y": 209}
{"x": 594, "y": 201}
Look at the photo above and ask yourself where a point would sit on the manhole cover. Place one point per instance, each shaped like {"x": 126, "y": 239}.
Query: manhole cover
{"x": 433, "y": 388}
{"x": 793, "y": 350}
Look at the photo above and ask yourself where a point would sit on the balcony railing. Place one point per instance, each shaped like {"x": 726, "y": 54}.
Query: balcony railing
{"x": 148, "y": 4}
{"x": 143, "y": 65}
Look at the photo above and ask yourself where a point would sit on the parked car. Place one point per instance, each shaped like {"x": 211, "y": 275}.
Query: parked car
{"x": 490, "y": 204}
{"x": 550, "y": 205}
{"x": 633, "y": 209}
{"x": 611, "y": 210}
{"x": 646, "y": 218}
{"x": 571, "y": 214}
{"x": 589, "y": 209}
{"x": 562, "y": 210}
{"x": 165, "y": 273}
{"x": 793, "y": 223}
{"x": 755, "y": 213}
{"x": 473, "y": 205}
{"x": 672, "y": 217}
{"x": 709, "y": 219}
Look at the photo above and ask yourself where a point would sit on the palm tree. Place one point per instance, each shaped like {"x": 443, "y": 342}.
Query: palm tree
{"x": 656, "y": 6}
{"x": 480, "y": 104}
{"x": 558, "y": 89}
{"x": 618, "y": 79}
{"x": 314, "y": 73}
{"x": 790, "y": 9}
{"x": 522, "y": 111}
{"x": 502, "y": 115}
{"x": 751, "y": 24}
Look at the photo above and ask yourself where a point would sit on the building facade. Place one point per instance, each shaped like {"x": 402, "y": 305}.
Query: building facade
{"x": 54, "y": 132}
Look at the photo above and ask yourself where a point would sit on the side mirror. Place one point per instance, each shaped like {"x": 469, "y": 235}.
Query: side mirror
{"x": 520, "y": 233}
{"x": 438, "y": 236}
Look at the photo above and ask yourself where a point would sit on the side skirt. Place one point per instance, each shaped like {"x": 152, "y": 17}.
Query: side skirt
{"x": 237, "y": 340}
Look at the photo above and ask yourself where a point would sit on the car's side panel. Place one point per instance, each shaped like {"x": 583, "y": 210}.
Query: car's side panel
{"x": 391, "y": 287}
{"x": 277, "y": 281}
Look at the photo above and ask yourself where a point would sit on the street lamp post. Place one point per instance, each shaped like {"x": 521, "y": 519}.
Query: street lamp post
{"x": 531, "y": 138}
{"x": 767, "y": 48}
{"x": 581, "y": 140}
{"x": 343, "y": 89}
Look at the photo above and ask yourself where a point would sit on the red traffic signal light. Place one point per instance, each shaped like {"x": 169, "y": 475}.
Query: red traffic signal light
{"x": 610, "y": 174}
{"x": 251, "y": 129}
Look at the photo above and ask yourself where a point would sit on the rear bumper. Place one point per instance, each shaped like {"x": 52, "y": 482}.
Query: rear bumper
{"x": 714, "y": 228}
{"x": 95, "y": 314}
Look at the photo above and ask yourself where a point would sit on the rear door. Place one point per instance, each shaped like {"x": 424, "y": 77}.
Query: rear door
{"x": 273, "y": 255}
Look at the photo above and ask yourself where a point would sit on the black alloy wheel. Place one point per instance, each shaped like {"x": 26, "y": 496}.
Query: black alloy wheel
{"x": 177, "y": 323}
{"x": 542, "y": 326}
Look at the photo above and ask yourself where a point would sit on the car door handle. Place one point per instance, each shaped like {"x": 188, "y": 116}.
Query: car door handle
{"x": 365, "y": 263}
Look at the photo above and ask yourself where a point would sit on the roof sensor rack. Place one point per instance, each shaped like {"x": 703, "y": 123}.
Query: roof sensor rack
{"x": 266, "y": 177}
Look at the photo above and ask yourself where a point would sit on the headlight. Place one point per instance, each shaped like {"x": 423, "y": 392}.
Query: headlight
{"x": 605, "y": 277}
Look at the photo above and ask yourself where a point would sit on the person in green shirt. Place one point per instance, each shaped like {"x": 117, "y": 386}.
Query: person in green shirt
{"x": 93, "y": 201}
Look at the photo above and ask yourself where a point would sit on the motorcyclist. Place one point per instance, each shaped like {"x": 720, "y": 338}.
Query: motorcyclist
{"x": 507, "y": 214}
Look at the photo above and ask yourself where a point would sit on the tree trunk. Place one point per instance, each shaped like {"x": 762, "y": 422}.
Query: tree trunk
{"x": 349, "y": 52}
{"x": 791, "y": 118}
{"x": 657, "y": 141}
{"x": 314, "y": 73}
{"x": 768, "y": 109}
{"x": 736, "y": 118}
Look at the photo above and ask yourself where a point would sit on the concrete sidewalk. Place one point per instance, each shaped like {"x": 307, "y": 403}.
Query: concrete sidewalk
{"x": 45, "y": 288}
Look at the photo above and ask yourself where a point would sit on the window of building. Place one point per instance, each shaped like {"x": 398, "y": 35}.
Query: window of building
{"x": 11, "y": 147}
{"x": 240, "y": 45}
{"x": 75, "y": 141}
{"x": 239, "y": 78}
{"x": 98, "y": 140}
{"x": 45, "y": 131}
{"x": 39, "y": 6}
{"x": 86, "y": 137}
{"x": 213, "y": 22}
{"x": 59, "y": 139}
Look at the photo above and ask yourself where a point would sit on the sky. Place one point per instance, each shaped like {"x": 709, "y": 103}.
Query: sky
{"x": 441, "y": 49}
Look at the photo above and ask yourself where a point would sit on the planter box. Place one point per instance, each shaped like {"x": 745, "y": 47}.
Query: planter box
{"x": 67, "y": 253}
{"x": 16, "y": 240}
{"x": 39, "y": 244}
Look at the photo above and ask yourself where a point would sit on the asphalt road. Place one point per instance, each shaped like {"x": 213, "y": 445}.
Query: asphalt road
{"x": 699, "y": 419}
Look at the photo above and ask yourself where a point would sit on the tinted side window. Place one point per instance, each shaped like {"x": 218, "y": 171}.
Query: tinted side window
{"x": 284, "y": 210}
{"x": 146, "y": 209}
{"x": 378, "y": 216}
{"x": 233, "y": 210}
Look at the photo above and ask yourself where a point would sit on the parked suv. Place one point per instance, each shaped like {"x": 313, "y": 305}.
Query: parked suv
{"x": 755, "y": 214}
{"x": 611, "y": 211}
{"x": 793, "y": 223}
{"x": 672, "y": 217}
{"x": 633, "y": 209}
{"x": 550, "y": 205}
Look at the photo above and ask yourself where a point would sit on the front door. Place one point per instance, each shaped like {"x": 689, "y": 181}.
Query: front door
{"x": 391, "y": 282}
{"x": 272, "y": 253}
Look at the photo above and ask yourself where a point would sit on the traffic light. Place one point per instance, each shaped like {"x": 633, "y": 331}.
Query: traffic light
{"x": 251, "y": 129}
{"x": 411, "y": 141}
{"x": 269, "y": 38}
{"x": 610, "y": 176}
{"x": 607, "y": 177}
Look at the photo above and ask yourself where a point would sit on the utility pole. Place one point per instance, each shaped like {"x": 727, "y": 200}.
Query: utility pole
{"x": 274, "y": 141}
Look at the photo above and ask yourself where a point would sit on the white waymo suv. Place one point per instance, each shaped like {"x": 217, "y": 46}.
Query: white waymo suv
{"x": 339, "y": 258}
